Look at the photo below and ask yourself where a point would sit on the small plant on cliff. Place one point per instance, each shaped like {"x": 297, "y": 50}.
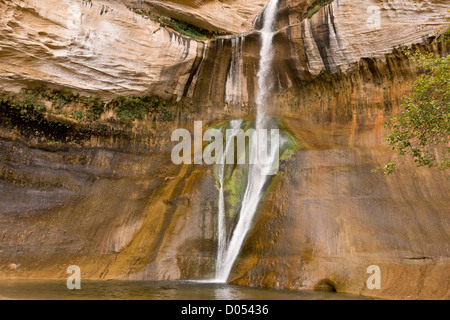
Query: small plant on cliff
{"x": 29, "y": 105}
{"x": 129, "y": 109}
{"x": 93, "y": 106}
{"x": 315, "y": 7}
{"x": 25, "y": 105}
{"x": 422, "y": 131}
{"x": 58, "y": 97}
{"x": 180, "y": 26}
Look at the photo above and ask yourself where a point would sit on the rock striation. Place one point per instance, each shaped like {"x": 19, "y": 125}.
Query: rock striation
{"x": 229, "y": 16}
{"x": 110, "y": 201}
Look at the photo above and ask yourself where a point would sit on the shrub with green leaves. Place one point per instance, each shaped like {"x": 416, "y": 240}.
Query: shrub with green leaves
{"x": 423, "y": 129}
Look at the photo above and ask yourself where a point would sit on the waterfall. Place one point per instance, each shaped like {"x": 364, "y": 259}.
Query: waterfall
{"x": 222, "y": 234}
{"x": 257, "y": 173}
{"x": 265, "y": 63}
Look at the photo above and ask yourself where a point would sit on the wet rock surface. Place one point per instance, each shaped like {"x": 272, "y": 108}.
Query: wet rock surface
{"x": 114, "y": 204}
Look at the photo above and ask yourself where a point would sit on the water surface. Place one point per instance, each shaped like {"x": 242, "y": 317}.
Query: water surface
{"x": 152, "y": 290}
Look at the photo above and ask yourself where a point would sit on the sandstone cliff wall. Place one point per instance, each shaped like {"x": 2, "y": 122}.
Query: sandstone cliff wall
{"x": 113, "y": 203}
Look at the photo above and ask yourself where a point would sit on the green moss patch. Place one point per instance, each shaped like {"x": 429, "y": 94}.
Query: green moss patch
{"x": 182, "y": 27}
{"x": 62, "y": 116}
{"x": 235, "y": 176}
{"x": 317, "y": 6}
{"x": 30, "y": 104}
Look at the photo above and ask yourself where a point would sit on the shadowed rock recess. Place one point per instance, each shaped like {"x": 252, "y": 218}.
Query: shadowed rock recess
{"x": 101, "y": 191}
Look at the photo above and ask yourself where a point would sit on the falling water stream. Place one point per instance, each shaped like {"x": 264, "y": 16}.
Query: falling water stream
{"x": 222, "y": 234}
{"x": 258, "y": 173}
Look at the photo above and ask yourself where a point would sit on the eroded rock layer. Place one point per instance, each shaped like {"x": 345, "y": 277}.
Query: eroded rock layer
{"x": 112, "y": 202}
{"x": 230, "y": 16}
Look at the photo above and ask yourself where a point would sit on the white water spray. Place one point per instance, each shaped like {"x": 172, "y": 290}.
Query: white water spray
{"x": 222, "y": 235}
{"x": 257, "y": 173}
{"x": 265, "y": 63}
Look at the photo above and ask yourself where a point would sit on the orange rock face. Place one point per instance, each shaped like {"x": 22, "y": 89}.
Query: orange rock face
{"x": 114, "y": 204}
